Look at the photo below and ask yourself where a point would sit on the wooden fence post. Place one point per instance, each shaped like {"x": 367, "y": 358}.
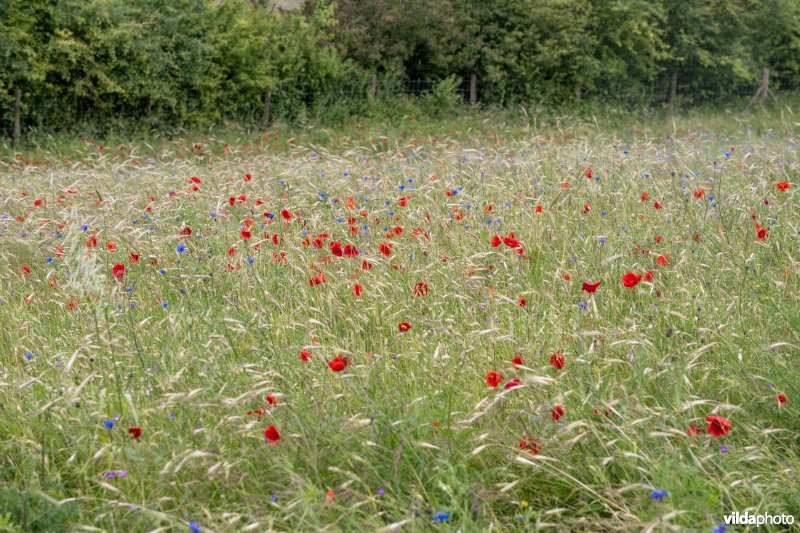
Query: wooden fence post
{"x": 673, "y": 89}
{"x": 373, "y": 85}
{"x": 267, "y": 104}
{"x": 17, "y": 115}
{"x": 473, "y": 89}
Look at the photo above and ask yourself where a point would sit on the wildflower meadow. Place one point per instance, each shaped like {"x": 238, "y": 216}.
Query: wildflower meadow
{"x": 569, "y": 327}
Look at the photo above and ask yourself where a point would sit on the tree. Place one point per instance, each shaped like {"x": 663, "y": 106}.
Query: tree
{"x": 24, "y": 32}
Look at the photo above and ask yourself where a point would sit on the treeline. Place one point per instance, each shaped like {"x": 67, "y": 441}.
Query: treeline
{"x": 187, "y": 62}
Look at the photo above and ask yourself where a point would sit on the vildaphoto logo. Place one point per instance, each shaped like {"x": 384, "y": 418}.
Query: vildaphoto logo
{"x": 758, "y": 520}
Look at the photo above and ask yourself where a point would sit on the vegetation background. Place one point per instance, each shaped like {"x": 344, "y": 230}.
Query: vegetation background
{"x": 107, "y": 65}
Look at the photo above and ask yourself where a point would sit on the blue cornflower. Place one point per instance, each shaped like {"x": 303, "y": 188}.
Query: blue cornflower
{"x": 441, "y": 516}
{"x": 48, "y": 259}
{"x": 659, "y": 494}
{"x": 109, "y": 424}
{"x": 162, "y": 271}
{"x": 273, "y": 497}
{"x": 322, "y": 194}
{"x": 251, "y": 260}
{"x": 85, "y": 228}
{"x": 28, "y": 355}
{"x": 602, "y": 240}
{"x": 181, "y": 248}
{"x": 164, "y": 304}
{"x": 194, "y": 527}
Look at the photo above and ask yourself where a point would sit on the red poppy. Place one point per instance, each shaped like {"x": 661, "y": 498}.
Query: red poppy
{"x": 587, "y": 207}
{"x": 185, "y": 232}
{"x": 530, "y": 445}
{"x": 537, "y": 209}
{"x": 350, "y": 250}
{"x": 357, "y": 289}
{"x": 698, "y": 193}
{"x": 658, "y": 238}
{"x": 135, "y": 432}
{"x": 511, "y": 384}
{"x": 692, "y": 430}
{"x": 134, "y": 257}
{"x": 496, "y": 241}
{"x": 420, "y": 289}
{"x": 403, "y": 327}
{"x": 663, "y": 260}
{"x": 557, "y": 360}
{"x": 648, "y": 275}
{"x": 25, "y": 270}
{"x": 270, "y": 399}
{"x": 493, "y": 379}
{"x": 630, "y": 279}
{"x": 783, "y": 186}
{"x": 517, "y": 361}
{"x": 118, "y": 271}
{"x": 366, "y": 265}
{"x": 657, "y": 205}
{"x": 645, "y": 196}
{"x": 286, "y": 214}
{"x": 304, "y": 355}
{"x": 557, "y": 413}
{"x": 762, "y": 234}
{"x": 511, "y": 241}
{"x": 231, "y": 201}
{"x": 195, "y": 179}
{"x": 91, "y": 242}
{"x": 318, "y": 279}
{"x": 403, "y": 201}
{"x": 248, "y": 177}
{"x": 38, "y": 202}
{"x": 386, "y": 249}
{"x": 245, "y": 234}
{"x": 782, "y": 399}
{"x": 338, "y": 363}
{"x": 272, "y": 435}
{"x": 590, "y": 287}
{"x": 336, "y": 249}
{"x": 718, "y": 426}
{"x": 522, "y": 301}
{"x": 589, "y": 174}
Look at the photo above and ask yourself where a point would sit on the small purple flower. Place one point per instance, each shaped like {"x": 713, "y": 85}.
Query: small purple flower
{"x": 723, "y": 449}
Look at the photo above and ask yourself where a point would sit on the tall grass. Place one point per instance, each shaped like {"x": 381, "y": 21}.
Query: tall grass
{"x": 188, "y": 345}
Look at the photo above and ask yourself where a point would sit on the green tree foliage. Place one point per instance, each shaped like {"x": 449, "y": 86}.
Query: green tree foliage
{"x": 189, "y": 62}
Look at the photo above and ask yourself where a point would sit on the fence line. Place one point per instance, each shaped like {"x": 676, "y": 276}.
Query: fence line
{"x": 667, "y": 90}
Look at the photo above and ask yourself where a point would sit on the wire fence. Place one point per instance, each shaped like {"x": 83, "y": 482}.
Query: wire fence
{"x": 289, "y": 99}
